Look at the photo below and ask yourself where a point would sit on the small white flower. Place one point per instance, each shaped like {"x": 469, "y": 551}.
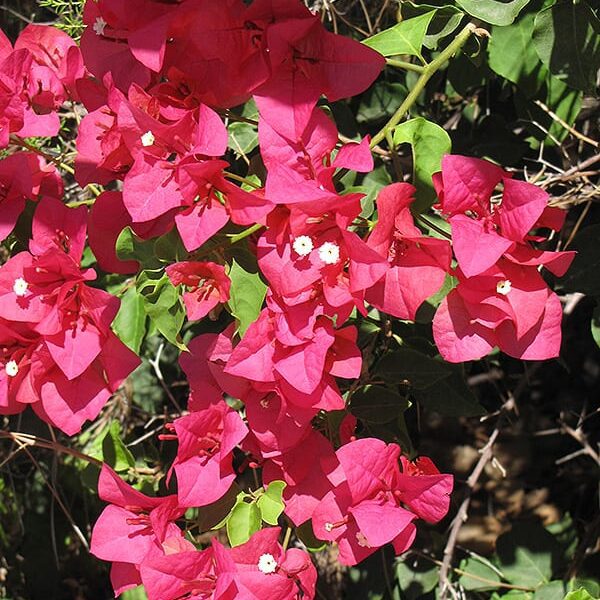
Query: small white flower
{"x": 303, "y": 245}
{"x": 148, "y": 139}
{"x": 11, "y": 368}
{"x": 328, "y": 527}
{"x": 99, "y": 26}
{"x": 267, "y": 564}
{"x": 329, "y": 253}
{"x": 20, "y": 287}
{"x": 503, "y": 287}
{"x": 362, "y": 540}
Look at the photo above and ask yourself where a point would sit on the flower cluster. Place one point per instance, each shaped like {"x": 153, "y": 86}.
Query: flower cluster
{"x": 58, "y": 353}
{"x": 138, "y": 534}
{"x": 37, "y": 75}
{"x": 501, "y": 298}
{"x": 156, "y": 79}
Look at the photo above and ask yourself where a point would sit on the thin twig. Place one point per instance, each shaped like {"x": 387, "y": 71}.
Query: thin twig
{"x": 565, "y": 125}
{"x": 380, "y": 15}
{"x": 367, "y": 16}
{"x": 348, "y": 23}
{"x": 16, "y": 14}
{"x": 461, "y": 515}
{"x": 578, "y": 224}
{"x": 155, "y": 363}
{"x": 579, "y": 436}
{"x": 25, "y": 439}
{"x": 491, "y": 582}
{"x": 55, "y": 494}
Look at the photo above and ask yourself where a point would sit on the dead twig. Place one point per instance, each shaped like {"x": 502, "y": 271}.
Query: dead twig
{"x": 487, "y": 455}
{"x": 586, "y": 448}
{"x": 565, "y": 125}
{"x": 24, "y": 440}
{"x": 155, "y": 363}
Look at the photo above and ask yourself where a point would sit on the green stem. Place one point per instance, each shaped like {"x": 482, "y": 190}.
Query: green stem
{"x": 426, "y": 75}
{"x": 77, "y": 203}
{"x": 235, "y": 238}
{"x": 18, "y": 141}
{"x": 95, "y": 190}
{"x": 286, "y": 539}
{"x": 433, "y": 226}
{"x": 401, "y": 64}
{"x": 241, "y": 179}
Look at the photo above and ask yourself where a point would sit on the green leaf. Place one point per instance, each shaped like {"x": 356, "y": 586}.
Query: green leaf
{"x": 580, "y": 594}
{"x": 445, "y": 20}
{"x": 565, "y": 534}
{"x": 429, "y": 143}
{"x": 130, "y": 322}
{"x": 372, "y": 183}
{"x": 271, "y": 503}
{"x": 307, "y": 536}
{"x": 590, "y": 585}
{"x": 477, "y": 575}
{"x": 583, "y": 274}
{"x": 560, "y": 99}
{"x": 493, "y": 11}
{"x": 243, "y": 137}
{"x": 243, "y": 257}
{"x": 377, "y": 404}
{"x": 246, "y": 296}
{"x": 566, "y": 37}
{"x": 114, "y": 451}
{"x": 131, "y": 247}
{"x": 380, "y": 101}
{"x": 565, "y": 102}
{"x": 412, "y": 368}
{"x": 465, "y": 75}
{"x": 137, "y": 593}
{"x": 450, "y": 396}
{"x": 243, "y": 521}
{"x": 169, "y": 247}
{"x": 415, "y": 577}
{"x": 512, "y": 595}
{"x": 512, "y": 55}
{"x": 404, "y": 38}
{"x": 555, "y": 590}
{"x": 426, "y": 311}
{"x": 215, "y": 515}
{"x": 525, "y": 554}
{"x": 163, "y": 305}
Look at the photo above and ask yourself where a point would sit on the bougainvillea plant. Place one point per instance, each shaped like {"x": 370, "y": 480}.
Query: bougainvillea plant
{"x": 288, "y": 258}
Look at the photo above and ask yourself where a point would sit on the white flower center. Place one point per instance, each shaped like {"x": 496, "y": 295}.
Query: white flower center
{"x": 328, "y": 527}
{"x": 11, "y": 368}
{"x": 303, "y": 245}
{"x": 20, "y": 287}
{"x": 99, "y": 26}
{"x": 267, "y": 564}
{"x": 329, "y": 253}
{"x": 504, "y": 286}
{"x": 148, "y": 139}
{"x": 362, "y": 540}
